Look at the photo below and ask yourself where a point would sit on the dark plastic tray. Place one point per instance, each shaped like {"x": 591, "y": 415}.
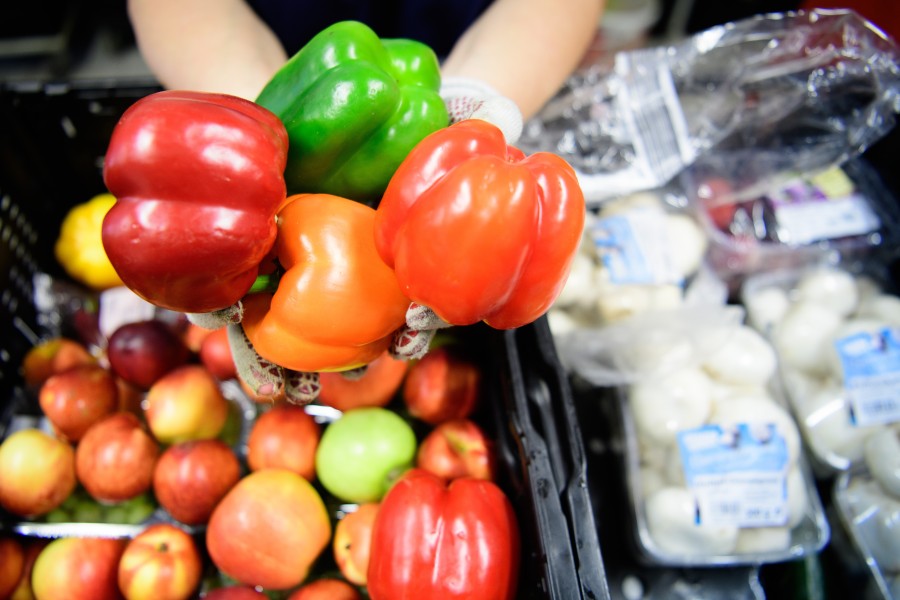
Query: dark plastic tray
{"x": 628, "y": 575}
{"x": 51, "y": 156}
{"x": 542, "y": 414}
{"x": 52, "y": 140}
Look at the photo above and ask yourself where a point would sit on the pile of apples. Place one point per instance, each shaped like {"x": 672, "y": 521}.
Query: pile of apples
{"x": 224, "y": 503}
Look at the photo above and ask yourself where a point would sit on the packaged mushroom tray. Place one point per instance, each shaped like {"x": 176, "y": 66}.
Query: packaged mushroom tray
{"x": 714, "y": 463}
{"x": 867, "y": 500}
{"x": 641, "y": 252}
{"x": 713, "y": 459}
{"x": 836, "y": 330}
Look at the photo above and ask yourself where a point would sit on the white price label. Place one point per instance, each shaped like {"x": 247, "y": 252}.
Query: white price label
{"x": 807, "y": 222}
{"x": 634, "y": 248}
{"x": 737, "y": 474}
{"x": 871, "y": 364}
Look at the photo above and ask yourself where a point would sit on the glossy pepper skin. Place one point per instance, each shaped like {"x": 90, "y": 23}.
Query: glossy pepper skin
{"x": 198, "y": 178}
{"x": 477, "y": 231}
{"x": 354, "y": 105}
{"x": 433, "y": 540}
{"x": 337, "y": 304}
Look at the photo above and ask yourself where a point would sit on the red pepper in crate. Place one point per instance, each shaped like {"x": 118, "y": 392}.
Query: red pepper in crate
{"x": 477, "y": 231}
{"x": 198, "y": 178}
{"x": 337, "y": 304}
{"x": 431, "y": 540}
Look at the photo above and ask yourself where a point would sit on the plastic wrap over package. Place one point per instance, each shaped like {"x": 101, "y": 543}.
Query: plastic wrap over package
{"x": 773, "y": 95}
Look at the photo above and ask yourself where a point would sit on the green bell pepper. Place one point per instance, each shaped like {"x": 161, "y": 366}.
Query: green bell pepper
{"x": 354, "y": 105}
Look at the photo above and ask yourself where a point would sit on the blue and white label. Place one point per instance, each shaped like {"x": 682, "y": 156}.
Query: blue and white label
{"x": 871, "y": 364}
{"x": 738, "y": 474}
{"x": 633, "y": 248}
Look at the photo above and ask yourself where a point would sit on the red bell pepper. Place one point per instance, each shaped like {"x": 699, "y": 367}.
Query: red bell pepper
{"x": 198, "y": 178}
{"x": 477, "y": 231}
{"x": 431, "y": 540}
{"x": 337, "y": 304}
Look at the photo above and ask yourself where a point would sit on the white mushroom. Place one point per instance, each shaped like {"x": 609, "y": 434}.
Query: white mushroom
{"x": 766, "y": 307}
{"x": 832, "y": 435}
{"x": 882, "y": 456}
{"x": 881, "y": 306}
{"x": 746, "y": 358}
{"x": 797, "y": 497}
{"x": 663, "y": 406}
{"x": 671, "y": 523}
{"x": 580, "y": 288}
{"x": 686, "y": 243}
{"x": 802, "y": 336}
{"x": 617, "y": 301}
{"x": 830, "y": 287}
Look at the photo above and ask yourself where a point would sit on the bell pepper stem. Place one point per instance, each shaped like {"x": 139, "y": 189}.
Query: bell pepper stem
{"x": 264, "y": 283}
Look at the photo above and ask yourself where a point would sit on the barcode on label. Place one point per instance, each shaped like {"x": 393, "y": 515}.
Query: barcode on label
{"x": 873, "y": 410}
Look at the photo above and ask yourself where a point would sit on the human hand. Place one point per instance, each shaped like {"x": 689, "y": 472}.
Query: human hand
{"x": 472, "y": 99}
{"x": 264, "y": 378}
{"x": 413, "y": 339}
{"x": 268, "y": 380}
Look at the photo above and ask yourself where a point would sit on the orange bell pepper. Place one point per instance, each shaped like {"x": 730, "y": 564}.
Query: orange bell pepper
{"x": 337, "y": 304}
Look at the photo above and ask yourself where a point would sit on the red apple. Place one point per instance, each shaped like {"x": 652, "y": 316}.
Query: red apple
{"x": 130, "y": 397}
{"x": 160, "y": 563}
{"x": 186, "y": 404}
{"x": 37, "y": 472}
{"x": 269, "y": 530}
{"x": 77, "y": 398}
{"x": 441, "y": 386}
{"x": 326, "y": 589}
{"x": 77, "y": 568}
{"x": 215, "y": 354}
{"x": 457, "y": 448}
{"x": 352, "y": 542}
{"x": 376, "y": 387}
{"x": 52, "y": 356}
{"x": 193, "y": 335}
{"x": 143, "y": 351}
{"x": 33, "y": 547}
{"x": 234, "y": 592}
{"x": 12, "y": 564}
{"x": 116, "y": 458}
{"x": 259, "y": 399}
{"x": 286, "y": 437}
{"x": 192, "y": 477}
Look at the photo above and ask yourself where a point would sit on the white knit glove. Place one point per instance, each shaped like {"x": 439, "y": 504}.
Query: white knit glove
{"x": 269, "y": 381}
{"x": 472, "y": 99}
{"x": 266, "y": 379}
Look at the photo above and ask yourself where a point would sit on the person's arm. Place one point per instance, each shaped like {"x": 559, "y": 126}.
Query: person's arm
{"x": 526, "y": 49}
{"x": 206, "y": 45}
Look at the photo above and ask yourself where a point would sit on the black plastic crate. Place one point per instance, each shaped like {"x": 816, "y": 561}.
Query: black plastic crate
{"x": 54, "y": 137}
{"x": 541, "y": 413}
{"x": 51, "y": 158}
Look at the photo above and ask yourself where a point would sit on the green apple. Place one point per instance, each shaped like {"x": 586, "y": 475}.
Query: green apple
{"x": 363, "y": 452}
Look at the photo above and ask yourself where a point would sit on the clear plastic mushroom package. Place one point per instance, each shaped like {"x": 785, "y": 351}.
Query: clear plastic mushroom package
{"x": 715, "y": 468}
{"x": 640, "y": 253}
{"x": 836, "y": 329}
{"x": 867, "y": 499}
